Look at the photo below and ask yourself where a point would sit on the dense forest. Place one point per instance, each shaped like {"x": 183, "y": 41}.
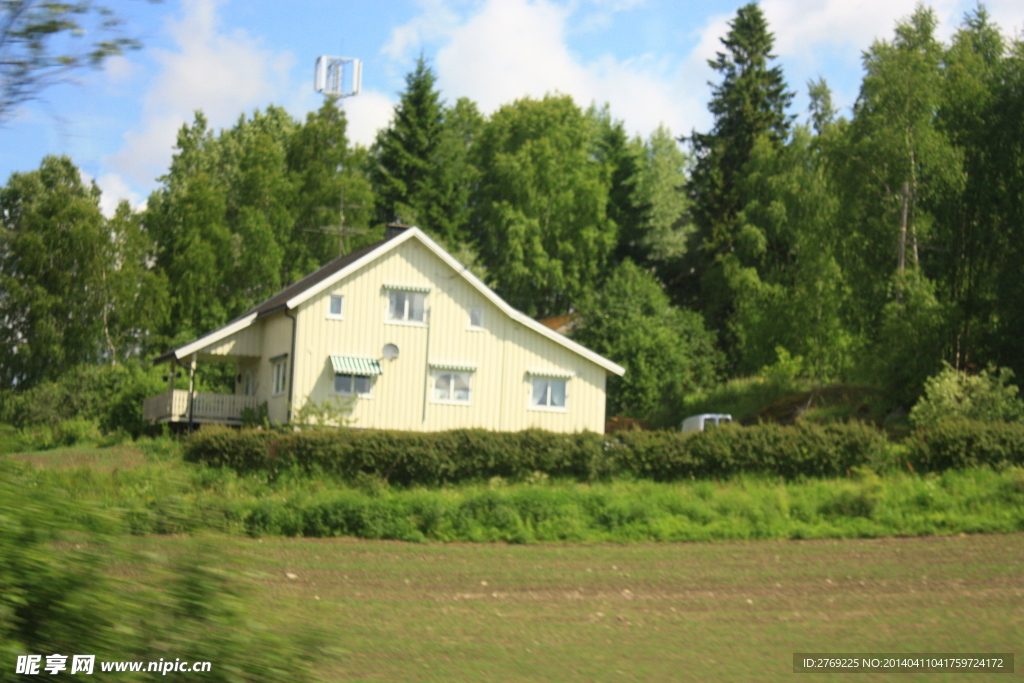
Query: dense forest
{"x": 866, "y": 249}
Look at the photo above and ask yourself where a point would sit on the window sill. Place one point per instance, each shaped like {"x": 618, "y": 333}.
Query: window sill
{"x": 451, "y": 403}
{"x": 406, "y": 323}
{"x": 335, "y": 317}
{"x": 548, "y": 409}
{"x": 476, "y": 329}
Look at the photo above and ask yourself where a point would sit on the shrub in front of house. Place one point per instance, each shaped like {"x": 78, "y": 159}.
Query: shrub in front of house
{"x": 959, "y": 444}
{"x": 805, "y": 450}
{"x": 433, "y": 458}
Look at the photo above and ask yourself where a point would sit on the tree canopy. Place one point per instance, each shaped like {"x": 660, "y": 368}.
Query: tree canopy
{"x": 868, "y": 247}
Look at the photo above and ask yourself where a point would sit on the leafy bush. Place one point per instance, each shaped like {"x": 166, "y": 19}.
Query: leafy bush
{"x": 110, "y": 396}
{"x": 256, "y": 417}
{"x": 958, "y": 444}
{"x": 804, "y": 450}
{"x": 955, "y": 395}
{"x": 667, "y": 351}
{"x": 66, "y": 433}
{"x": 410, "y": 458}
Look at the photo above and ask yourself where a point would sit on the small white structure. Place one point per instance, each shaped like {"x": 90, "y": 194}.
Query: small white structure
{"x": 698, "y": 423}
{"x": 338, "y": 76}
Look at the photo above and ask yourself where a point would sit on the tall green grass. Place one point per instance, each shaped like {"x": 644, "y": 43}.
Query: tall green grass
{"x": 166, "y": 495}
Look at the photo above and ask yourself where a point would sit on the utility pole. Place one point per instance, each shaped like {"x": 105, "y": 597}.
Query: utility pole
{"x": 341, "y": 229}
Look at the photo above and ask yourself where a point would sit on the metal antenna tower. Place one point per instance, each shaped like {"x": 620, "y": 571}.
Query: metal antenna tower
{"x": 338, "y": 76}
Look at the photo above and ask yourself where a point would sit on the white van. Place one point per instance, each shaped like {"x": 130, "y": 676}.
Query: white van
{"x": 698, "y": 423}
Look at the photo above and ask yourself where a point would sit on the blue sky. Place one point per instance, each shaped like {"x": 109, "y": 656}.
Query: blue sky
{"x": 646, "y": 59}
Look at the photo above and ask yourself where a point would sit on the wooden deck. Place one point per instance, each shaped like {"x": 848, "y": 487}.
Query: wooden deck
{"x": 215, "y": 408}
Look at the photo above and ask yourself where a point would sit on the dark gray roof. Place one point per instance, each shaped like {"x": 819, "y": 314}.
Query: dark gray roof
{"x": 280, "y": 300}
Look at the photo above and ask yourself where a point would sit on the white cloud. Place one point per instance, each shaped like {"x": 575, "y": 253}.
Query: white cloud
{"x": 114, "y": 190}
{"x": 435, "y": 20}
{"x": 366, "y": 113}
{"x": 223, "y": 74}
{"x": 501, "y": 50}
{"x": 119, "y": 69}
{"x": 509, "y": 49}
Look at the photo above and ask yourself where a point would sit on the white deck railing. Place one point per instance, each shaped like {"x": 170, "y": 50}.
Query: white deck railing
{"x": 173, "y": 407}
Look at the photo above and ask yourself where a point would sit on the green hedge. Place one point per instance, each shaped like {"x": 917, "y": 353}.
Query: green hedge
{"x": 412, "y": 458}
{"x": 959, "y": 444}
{"x": 788, "y": 451}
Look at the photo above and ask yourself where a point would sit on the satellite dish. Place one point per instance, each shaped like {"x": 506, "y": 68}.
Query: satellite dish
{"x": 390, "y": 351}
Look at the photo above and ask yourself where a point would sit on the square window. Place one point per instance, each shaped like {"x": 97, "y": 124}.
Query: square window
{"x": 352, "y": 384}
{"x": 335, "y": 306}
{"x": 547, "y": 392}
{"x": 476, "y": 318}
{"x": 280, "y": 377}
{"x": 407, "y": 306}
{"x": 451, "y": 387}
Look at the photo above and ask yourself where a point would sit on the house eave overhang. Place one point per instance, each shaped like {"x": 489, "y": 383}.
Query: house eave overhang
{"x": 206, "y": 340}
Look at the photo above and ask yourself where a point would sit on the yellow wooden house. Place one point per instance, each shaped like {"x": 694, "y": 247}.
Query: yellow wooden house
{"x": 403, "y": 336}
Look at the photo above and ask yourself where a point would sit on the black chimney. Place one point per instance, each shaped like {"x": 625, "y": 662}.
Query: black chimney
{"x": 395, "y": 229}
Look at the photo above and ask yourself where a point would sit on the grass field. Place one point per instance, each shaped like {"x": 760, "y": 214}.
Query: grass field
{"x": 735, "y": 611}
{"x": 391, "y": 611}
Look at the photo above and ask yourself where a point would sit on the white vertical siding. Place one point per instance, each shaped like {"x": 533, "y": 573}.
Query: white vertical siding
{"x": 277, "y": 340}
{"x": 503, "y": 353}
{"x": 245, "y": 342}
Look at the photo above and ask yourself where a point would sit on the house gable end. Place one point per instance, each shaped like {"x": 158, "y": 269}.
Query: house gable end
{"x": 417, "y": 234}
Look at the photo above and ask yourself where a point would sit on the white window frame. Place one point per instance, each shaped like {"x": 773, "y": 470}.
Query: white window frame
{"x": 405, "y": 319}
{"x": 279, "y": 370}
{"x": 248, "y": 383}
{"x": 330, "y": 300}
{"x": 547, "y": 407}
{"x": 468, "y": 374}
{"x": 352, "y": 383}
{"x": 480, "y": 311}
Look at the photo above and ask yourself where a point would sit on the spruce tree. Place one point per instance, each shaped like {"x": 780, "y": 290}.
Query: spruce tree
{"x": 748, "y": 103}
{"x": 419, "y": 164}
{"x": 404, "y": 150}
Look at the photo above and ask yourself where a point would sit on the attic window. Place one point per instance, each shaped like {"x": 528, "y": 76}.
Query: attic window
{"x": 336, "y": 306}
{"x": 407, "y": 306}
{"x": 476, "y": 318}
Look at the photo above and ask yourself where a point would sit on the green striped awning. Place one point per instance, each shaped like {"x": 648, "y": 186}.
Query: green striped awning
{"x": 408, "y": 288}
{"x": 556, "y": 374}
{"x": 458, "y": 367}
{"x": 347, "y": 365}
